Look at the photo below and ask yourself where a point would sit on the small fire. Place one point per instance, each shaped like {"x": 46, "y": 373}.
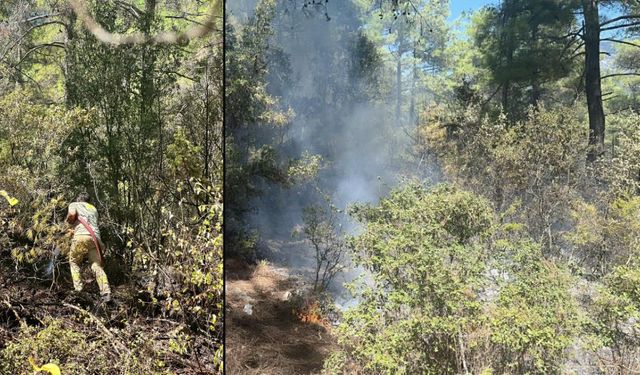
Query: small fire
{"x": 312, "y": 313}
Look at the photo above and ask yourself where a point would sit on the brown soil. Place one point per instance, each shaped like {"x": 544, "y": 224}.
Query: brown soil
{"x": 30, "y": 301}
{"x": 272, "y": 340}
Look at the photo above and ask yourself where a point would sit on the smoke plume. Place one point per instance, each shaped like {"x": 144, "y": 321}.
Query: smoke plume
{"x": 324, "y": 68}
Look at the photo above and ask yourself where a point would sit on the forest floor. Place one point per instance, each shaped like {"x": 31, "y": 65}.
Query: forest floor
{"x": 127, "y": 327}
{"x": 263, "y": 333}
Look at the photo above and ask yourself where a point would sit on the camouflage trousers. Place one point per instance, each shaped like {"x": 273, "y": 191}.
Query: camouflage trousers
{"x": 81, "y": 246}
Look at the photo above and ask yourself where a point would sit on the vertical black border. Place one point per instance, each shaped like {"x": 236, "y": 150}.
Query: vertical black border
{"x": 224, "y": 187}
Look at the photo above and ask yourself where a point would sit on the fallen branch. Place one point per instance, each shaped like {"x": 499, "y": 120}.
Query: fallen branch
{"x": 23, "y": 323}
{"x": 103, "y": 328}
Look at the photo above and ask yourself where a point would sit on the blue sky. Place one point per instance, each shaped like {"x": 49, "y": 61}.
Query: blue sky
{"x": 458, "y": 6}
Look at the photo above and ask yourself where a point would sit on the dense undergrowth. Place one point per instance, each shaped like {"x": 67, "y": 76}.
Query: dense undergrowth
{"x": 525, "y": 261}
{"x": 501, "y": 151}
{"x": 138, "y": 127}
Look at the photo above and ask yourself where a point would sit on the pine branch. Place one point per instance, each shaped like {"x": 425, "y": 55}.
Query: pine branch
{"x": 620, "y": 18}
{"x": 620, "y": 74}
{"x": 620, "y": 41}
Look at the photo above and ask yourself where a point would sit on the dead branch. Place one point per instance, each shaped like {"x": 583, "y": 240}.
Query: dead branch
{"x": 103, "y": 35}
{"x": 117, "y": 343}
{"x": 23, "y": 323}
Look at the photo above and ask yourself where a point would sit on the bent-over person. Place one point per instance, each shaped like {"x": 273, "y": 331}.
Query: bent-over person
{"x": 83, "y": 216}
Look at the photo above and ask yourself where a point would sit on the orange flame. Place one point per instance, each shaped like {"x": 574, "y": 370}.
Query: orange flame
{"x": 312, "y": 314}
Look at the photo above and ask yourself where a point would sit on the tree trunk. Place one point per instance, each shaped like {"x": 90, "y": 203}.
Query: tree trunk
{"x": 507, "y": 45}
{"x": 505, "y": 96}
{"x": 535, "y": 90}
{"x": 593, "y": 89}
{"x": 206, "y": 122}
{"x": 535, "y": 77}
{"x": 150, "y": 130}
{"x": 399, "y": 74}
{"x": 413, "y": 116}
{"x": 68, "y": 39}
{"x": 147, "y": 84}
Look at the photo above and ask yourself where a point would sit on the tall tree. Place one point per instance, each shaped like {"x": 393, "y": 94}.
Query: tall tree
{"x": 252, "y": 116}
{"x": 593, "y": 26}
{"x": 593, "y": 89}
{"x": 522, "y": 47}
{"x": 413, "y": 34}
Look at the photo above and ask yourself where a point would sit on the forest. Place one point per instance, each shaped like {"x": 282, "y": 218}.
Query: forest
{"x": 121, "y": 101}
{"x": 416, "y": 187}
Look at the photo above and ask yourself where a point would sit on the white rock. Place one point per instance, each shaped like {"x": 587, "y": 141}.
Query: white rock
{"x": 286, "y": 296}
{"x": 248, "y": 309}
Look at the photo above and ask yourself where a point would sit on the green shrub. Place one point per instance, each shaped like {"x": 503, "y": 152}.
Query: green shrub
{"x": 449, "y": 290}
{"x": 74, "y": 351}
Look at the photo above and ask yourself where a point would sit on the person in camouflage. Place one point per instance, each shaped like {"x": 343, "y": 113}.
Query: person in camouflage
{"x": 82, "y": 244}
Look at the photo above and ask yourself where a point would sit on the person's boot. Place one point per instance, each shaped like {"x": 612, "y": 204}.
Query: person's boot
{"x": 106, "y": 304}
{"x": 77, "y": 297}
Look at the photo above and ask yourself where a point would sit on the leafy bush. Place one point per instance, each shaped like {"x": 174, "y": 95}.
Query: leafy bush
{"x": 321, "y": 229}
{"x": 534, "y": 318}
{"x": 538, "y": 162}
{"x": 74, "y": 351}
{"x": 448, "y": 290}
{"x": 604, "y": 240}
{"x": 585, "y": 216}
{"x": 614, "y": 314}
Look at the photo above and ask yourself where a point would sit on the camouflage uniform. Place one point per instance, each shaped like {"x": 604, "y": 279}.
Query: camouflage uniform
{"x": 82, "y": 245}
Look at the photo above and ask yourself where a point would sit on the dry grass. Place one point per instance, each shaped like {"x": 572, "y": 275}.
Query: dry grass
{"x": 272, "y": 340}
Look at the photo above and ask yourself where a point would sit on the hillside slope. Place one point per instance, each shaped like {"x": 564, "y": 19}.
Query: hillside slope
{"x": 263, "y": 333}
{"x": 82, "y": 335}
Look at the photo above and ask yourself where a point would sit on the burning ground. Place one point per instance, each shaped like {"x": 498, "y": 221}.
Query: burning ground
{"x": 270, "y": 329}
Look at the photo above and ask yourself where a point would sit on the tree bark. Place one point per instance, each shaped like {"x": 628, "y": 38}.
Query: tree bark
{"x": 535, "y": 77}
{"x": 413, "y": 117}
{"x": 68, "y": 39}
{"x": 507, "y": 45}
{"x": 399, "y": 74}
{"x": 593, "y": 88}
{"x": 206, "y": 122}
{"x": 505, "y": 96}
